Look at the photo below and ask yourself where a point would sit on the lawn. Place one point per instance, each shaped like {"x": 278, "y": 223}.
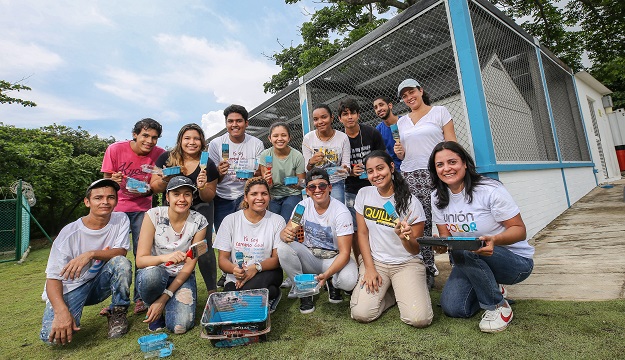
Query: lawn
{"x": 540, "y": 330}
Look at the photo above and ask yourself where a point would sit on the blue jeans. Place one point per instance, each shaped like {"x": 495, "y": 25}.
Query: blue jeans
{"x": 350, "y": 199}
{"x": 225, "y": 207}
{"x": 473, "y": 281}
{"x": 179, "y": 310}
{"x": 136, "y": 220}
{"x": 284, "y": 206}
{"x": 207, "y": 262}
{"x": 338, "y": 191}
{"x": 113, "y": 279}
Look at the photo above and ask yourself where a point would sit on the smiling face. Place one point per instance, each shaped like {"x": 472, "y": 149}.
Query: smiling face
{"x": 379, "y": 173}
{"x": 412, "y": 97}
{"x": 236, "y": 125}
{"x": 450, "y": 169}
{"x": 322, "y": 119}
{"x": 180, "y": 199}
{"x": 144, "y": 141}
{"x": 279, "y": 137}
{"x": 314, "y": 190}
{"x": 191, "y": 142}
{"x": 382, "y": 109}
{"x": 349, "y": 118}
{"x": 101, "y": 201}
{"x": 258, "y": 198}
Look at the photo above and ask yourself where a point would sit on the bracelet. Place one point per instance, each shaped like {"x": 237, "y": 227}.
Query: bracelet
{"x": 168, "y": 293}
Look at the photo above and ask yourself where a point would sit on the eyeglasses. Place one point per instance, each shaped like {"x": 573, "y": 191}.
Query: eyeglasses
{"x": 321, "y": 187}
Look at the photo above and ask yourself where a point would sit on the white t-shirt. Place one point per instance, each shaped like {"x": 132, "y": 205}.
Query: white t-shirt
{"x": 385, "y": 246}
{"x": 255, "y": 241}
{"x": 75, "y": 239}
{"x": 336, "y": 150}
{"x": 242, "y": 156}
{"x": 322, "y": 231}
{"x": 419, "y": 139}
{"x": 492, "y": 204}
{"x": 167, "y": 240}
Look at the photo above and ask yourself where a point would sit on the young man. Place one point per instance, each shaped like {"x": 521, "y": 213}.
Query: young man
{"x": 87, "y": 264}
{"x": 327, "y": 242}
{"x": 123, "y": 160}
{"x": 384, "y": 109}
{"x": 362, "y": 140}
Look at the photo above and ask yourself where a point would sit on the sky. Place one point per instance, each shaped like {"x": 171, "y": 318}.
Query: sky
{"x": 104, "y": 65}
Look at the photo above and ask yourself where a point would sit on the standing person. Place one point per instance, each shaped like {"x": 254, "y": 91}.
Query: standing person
{"x": 186, "y": 154}
{"x": 383, "y": 108}
{"x": 166, "y": 235}
{"x": 362, "y": 140}
{"x": 87, "y": 264}
{"x": 327, "y": 242}
{"x": 123, "y": 160}
{"x": 419, "y": 131}
{"x": 327, "y": 148}
{"x": 243, "y": 151}
{"x": 469, "y": 204}
{"x": 391, "y": 271}
{"x": 254, "y": 232}
{"x": 286, "y": 161}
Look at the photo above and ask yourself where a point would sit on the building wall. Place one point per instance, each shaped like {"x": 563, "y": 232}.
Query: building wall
{"x": 539, "y": 194}
{"x": 579, "y": 182}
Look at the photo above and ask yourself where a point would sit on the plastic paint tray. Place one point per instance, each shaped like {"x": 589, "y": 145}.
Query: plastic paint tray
{"x": 245, "y": 174}
{"x": 306, "y": 285}
{"x": 136, "y": 185}
{"x": 232, "y": 315}
{"x": 152, "y": 342}
{"x": 174, "y": 170}
{"x": 452, "y": 243}
{"x": 291, "y": 180}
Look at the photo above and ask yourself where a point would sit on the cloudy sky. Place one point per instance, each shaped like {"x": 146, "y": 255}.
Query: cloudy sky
{"x": 103, "y": 65}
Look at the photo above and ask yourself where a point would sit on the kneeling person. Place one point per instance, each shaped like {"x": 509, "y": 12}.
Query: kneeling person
{"x": 327, "y": 242}
{"x": 87, "y": 264}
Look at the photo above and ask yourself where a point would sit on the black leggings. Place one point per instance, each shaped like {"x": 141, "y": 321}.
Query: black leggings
{"x": 207, "y": 262}
{"x": 269, "y": 279}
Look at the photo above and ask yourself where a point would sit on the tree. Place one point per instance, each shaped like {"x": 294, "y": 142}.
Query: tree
{"x": 6, "y": 86}
{"x": 569, "y": 28}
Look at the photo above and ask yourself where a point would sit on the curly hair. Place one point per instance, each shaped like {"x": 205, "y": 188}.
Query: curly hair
{"x": 175, "y": 155}
{"x": 257, "y": 180}
{"x": 400, "y": 186}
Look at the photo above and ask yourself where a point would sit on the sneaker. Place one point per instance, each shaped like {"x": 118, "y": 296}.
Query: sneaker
{"x": 435, "y": 270}
{"x": 306, "y": 305}
{"x": 106, "y": 311}
{"x": 222, "y": 280}
{"x": 503, "y": 291}
{"x": 273, "y": 303}
{"x": 286, "y": 283}
{"x": 157, "y": 325}
{"x": 496, "y": 320}
{"x": 140, "y": 307}
{"x": 118, "y": 323}
{"x": 292, "y": 293}
{"x": 334, "y": 294}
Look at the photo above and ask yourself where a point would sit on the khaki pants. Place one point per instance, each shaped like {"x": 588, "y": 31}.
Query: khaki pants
{"x": 404, "y": 284}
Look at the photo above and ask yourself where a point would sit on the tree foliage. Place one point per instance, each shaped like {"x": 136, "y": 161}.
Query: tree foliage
{"x": 569, "y": 28}
{"x": 6, "y": 87}
{"x": 59, "y": 162}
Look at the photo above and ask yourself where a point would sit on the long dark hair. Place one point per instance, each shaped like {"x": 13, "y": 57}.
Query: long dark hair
{"x": 471, "y": 176}
{"x": 175, "y": 155}
{"x": 400, "y": 186}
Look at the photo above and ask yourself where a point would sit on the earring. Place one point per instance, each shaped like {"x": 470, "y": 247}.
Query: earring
{"x": 393, "y": 176}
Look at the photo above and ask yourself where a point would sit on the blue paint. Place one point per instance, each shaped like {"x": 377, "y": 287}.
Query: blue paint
{"x": 531, "y": 166}
{"x": 305, "y": 121}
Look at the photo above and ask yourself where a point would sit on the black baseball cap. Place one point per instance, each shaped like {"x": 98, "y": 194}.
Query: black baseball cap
{"x": 180, "y": 181}
{"x": 317, "y": 173}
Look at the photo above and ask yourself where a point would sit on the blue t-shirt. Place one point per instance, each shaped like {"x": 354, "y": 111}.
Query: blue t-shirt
{"x": 387, "y": 136}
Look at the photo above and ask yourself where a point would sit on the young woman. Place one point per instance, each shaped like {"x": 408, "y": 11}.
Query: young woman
{"x": 419, "y": 131}
{"x": 391, "y": 270}
{"x": 286, "y": 161}
{"x": 254, "y": 233}
{"x": 166, "y": 235}
{"x": 186, "y": 154}
{"x": 328, "y": 148}
{"x": 468, "y": 204}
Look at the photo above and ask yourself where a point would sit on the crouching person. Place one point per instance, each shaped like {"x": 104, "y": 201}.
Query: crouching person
{"x": 327, "y": 242}
{"x": 87, "y": 264}
{"x": 166, "y": 276}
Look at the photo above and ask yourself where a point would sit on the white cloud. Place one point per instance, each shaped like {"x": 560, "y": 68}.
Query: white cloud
{"x": 140, "y": 89}
{"x": 213, "y": 122}
{"x": 21, "y": 59}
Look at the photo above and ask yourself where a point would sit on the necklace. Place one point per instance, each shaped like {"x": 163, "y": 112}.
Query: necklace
{"x": 328, "y": 139}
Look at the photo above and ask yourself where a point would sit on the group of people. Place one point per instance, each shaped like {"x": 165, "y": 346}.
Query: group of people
{"x": 321, "y": 211}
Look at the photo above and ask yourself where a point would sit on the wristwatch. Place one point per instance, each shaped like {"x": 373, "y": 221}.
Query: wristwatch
{"x": 168, "y": 293}
{"x": 259, "y": 267}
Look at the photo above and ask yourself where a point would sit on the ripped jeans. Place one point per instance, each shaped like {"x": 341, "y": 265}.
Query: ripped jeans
{"x": 179, "y": 310}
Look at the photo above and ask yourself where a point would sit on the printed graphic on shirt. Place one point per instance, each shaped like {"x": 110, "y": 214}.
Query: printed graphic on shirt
{"x": 359, "y": 153}
{"x": 459, "y": 222}
{"x": 253, "y": 249}
{"x": 379, "y": 215}
{"x": 331, "y": 157}
{"x": 318, "y": 236}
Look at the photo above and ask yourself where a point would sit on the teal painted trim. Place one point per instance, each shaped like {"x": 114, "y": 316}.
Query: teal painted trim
{"x": 471, "y": 78}
{"x": 305, "y": 121}
{"x": 581, "y": 116}
{"x": 566, "y": 188}
{"x": 532, "y": 166}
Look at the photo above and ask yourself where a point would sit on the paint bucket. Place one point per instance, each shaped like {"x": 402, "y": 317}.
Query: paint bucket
{"x": 620, "y": 156}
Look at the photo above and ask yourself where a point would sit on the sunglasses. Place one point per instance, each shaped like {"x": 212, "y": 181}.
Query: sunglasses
{"x": 321, "y": 187}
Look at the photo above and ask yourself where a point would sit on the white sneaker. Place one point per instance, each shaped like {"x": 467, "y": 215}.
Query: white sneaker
{"x": 496, "y": 320}
{"x": 292, "y": 294}
{"x": 286, "y": 283}
{"x": 503, "y": 291}
{"x": 436, "y": 272}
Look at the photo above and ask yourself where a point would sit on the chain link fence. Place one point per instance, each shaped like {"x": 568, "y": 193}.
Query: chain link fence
{"x": 14, "y": 228}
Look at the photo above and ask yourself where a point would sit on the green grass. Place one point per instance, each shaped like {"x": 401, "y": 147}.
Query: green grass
{"x": 540, "y": 330}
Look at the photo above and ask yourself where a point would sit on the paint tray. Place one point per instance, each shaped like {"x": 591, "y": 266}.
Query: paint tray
{"x": 152, "y": 342}
{"x": 170, "y": 171}
{"x": 244, "y": 174}
{"x": 291, "y": 180}
{"x": 306, "y": 285}
{"x": 452, "y": 242}
{"x": 137, "y": 185}
{"x": 233, "y": 318}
